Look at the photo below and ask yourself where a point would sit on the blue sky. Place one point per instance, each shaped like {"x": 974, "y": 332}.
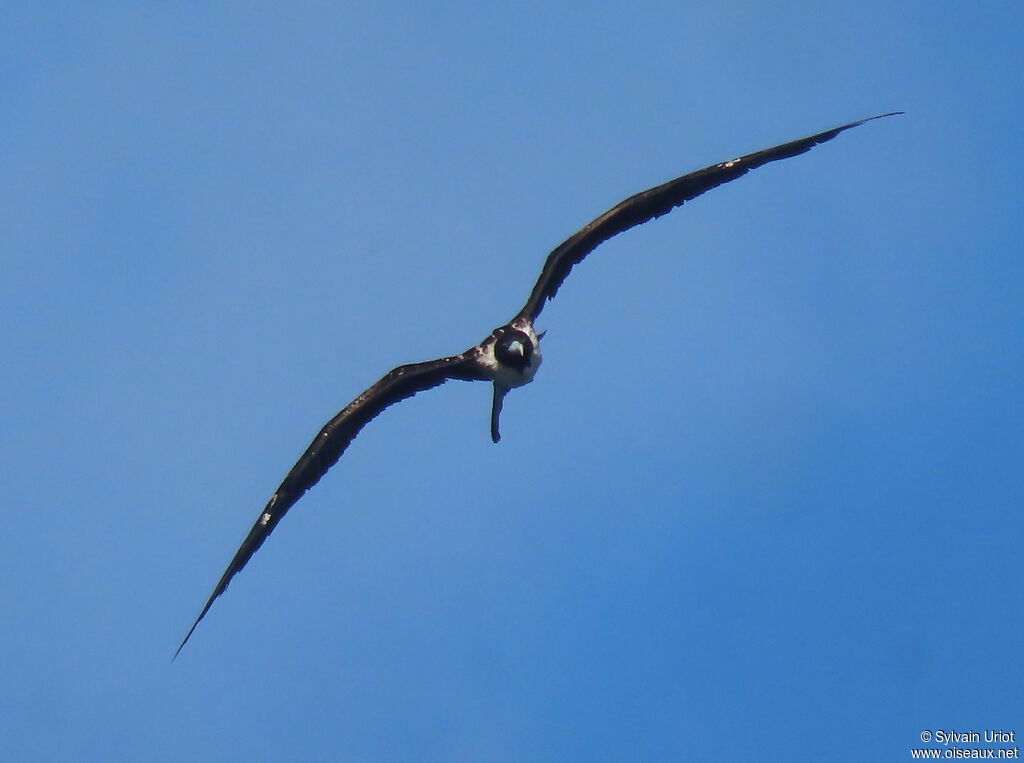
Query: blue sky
{"x": 762, "y": 502}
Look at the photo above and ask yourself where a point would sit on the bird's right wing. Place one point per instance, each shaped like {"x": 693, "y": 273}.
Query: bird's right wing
{"x": 400, "y": 383}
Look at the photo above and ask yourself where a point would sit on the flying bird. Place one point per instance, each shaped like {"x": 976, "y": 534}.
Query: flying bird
{"x": 510, "y": 355}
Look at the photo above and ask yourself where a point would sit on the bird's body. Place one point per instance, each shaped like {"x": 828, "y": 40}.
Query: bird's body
{"x": 509, "y": 356}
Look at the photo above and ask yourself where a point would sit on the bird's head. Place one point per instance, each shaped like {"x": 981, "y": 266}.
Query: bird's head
{"x": 512, "y": 353}
{"x": 513, "y": 349}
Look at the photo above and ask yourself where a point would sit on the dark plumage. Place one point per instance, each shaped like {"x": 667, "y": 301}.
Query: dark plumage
{"x": 509, "y": 356}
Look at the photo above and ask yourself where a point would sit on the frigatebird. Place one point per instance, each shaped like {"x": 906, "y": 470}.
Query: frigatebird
{"x": 510, "y": 356}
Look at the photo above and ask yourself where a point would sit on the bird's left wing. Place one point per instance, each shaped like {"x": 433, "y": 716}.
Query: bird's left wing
{"x": 399, "y": 383}
{"x": 656, "y": 202}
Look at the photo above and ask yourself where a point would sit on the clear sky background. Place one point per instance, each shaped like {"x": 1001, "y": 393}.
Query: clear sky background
{"x": 763, "y": 500}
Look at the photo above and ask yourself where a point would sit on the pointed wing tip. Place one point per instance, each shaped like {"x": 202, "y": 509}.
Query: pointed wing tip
{"x": 259, "y": 533}
{"x": 178, "y": 650}
{"x": 829, "y": 134}
{"x": 180, "y": 647}
{"x": 877, "y": 116}
{"x": 189, "y": 634}
{"x": 221, "y": 586}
